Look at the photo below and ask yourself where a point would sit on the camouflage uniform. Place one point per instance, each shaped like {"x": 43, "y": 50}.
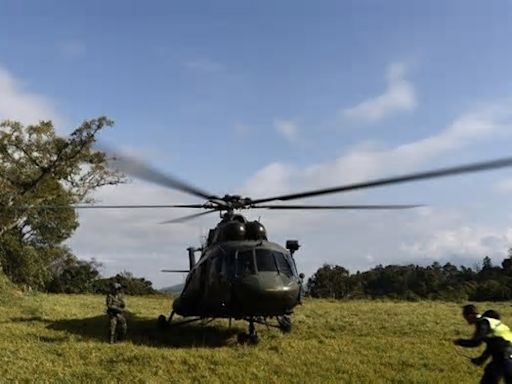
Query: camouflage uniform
{"x": 115, "y": 309}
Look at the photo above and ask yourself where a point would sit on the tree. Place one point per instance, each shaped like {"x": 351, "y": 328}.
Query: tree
{"x": 486, "y": 263}
{"x": 131, "y": 285}
{"x": 70, "y": 275}
{"x": 329, "y": 282}
{"x": 491, "y": 290}
{"x": 41, "y": 176}
{"x": 507, "y": 263}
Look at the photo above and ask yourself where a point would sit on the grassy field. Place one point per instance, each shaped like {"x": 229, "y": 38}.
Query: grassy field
{"x": 62, "y": 339}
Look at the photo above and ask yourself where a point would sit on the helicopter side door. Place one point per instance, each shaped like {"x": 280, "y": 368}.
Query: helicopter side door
{"x": 213, "y": 292}
{"x": 196, "y": 292}
{"x": 221, "y": 269}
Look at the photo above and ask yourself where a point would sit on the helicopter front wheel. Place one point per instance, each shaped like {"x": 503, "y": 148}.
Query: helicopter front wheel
{"x": 251, "y": 337}
{"x": 246, "y": 338}
{"x": 162, "y": 322}
{"x": 285, "y": 323}
{"x": 242, "y": 338}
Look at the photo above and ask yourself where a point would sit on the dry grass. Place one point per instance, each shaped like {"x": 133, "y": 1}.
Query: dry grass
{"x": 62, "y": 339}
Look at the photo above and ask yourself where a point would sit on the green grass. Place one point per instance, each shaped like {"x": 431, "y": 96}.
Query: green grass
{"x": 62, "y": 339}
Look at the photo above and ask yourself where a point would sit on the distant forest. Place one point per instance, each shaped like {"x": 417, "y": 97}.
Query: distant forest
{"x": 414, "y": 282}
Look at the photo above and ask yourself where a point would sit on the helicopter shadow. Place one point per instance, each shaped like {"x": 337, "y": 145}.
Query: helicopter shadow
{"x": 145, "y": 331}
{"x": 27, "y": 319}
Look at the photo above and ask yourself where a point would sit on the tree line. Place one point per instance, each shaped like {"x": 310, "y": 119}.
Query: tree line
{"x": 415, "y": 282}
{"x": 72, "y": 275}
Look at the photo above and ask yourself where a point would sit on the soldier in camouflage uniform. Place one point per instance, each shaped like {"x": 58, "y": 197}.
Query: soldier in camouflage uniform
{"x": 115, "y": 309}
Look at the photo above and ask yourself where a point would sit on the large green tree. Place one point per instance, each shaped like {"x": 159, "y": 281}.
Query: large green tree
{"x": 41, "y": 175}
{"x": 329, "y": 281}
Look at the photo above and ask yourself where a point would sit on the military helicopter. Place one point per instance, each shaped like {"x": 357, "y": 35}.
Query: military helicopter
{"x": 240, "y": 274}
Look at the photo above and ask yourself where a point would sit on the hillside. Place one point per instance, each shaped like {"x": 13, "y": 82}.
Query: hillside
{"x": 173, "y": 290}
{"x": 62, "y": 338}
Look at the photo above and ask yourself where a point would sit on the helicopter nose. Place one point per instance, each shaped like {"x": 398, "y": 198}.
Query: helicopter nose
{"x": 268, "y": 293}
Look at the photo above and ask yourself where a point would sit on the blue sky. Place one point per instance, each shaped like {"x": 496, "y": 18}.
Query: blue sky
{"x": 265, "y": 97}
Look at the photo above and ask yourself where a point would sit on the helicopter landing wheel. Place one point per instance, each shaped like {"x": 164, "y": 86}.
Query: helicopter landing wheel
{"x": 285, "y": 323}
{"x": 251, "y": 337}
{"x": 242, "y": 338}
{"x": 162, "y": 322}
{"x": 246, "y": 338}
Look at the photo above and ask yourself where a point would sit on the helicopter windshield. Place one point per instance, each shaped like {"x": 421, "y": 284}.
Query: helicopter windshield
{"x": 248, "y": 261}
{"x": 245, "y": 263}
{"x": 265, "y": 261}
{"x": 271, "y": 261}
{"x": 283, "y": 265}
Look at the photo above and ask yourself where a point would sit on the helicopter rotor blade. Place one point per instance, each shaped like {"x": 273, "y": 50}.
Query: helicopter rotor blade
{"x": 142, "y": 206}
{"x": 142, "y": 171}
{"x": 100, "y": 206}
{"x": 451, "y": 171}
{"x": 129, "y": 206}
{"x": 189, "y": 217}
{"x": 347, "y": 207}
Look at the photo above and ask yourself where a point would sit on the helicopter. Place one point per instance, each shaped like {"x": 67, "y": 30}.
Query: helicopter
{"x": 240, "y": 274}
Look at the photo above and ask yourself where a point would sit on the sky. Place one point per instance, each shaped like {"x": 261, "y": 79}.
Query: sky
{"x": 263, "y": 98}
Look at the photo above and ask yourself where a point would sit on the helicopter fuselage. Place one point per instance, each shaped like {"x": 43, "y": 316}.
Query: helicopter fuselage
{"x": 239, "y": 279}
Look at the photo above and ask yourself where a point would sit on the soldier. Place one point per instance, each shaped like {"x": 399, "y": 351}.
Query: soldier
{"x": 115, "y": 309}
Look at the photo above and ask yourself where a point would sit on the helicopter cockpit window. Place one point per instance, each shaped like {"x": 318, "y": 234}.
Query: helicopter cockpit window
{"x": 265, "y": 261}
{"x": 283, "y": 265}
{"x": 245, "y": 263}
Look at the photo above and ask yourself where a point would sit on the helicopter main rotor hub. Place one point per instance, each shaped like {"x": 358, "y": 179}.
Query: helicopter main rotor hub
{"x": 230, "y": 202}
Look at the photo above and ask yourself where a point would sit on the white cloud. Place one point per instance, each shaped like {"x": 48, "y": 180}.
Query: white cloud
{"x": 363, "y": 162}
{"x": 400, "y": 96}
{"x": 275, "y": 178}
{"x": 19, "y": 104}
{"x": 467, "y": 241}
{"x": 286, "y": 128}
{"x": 505, "y": 186}
{"x": 486, "y": 122}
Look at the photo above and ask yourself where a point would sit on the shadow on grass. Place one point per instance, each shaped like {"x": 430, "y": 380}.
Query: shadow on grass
{"x": 28, "y": 319}
{"x": 144, "y": 331}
